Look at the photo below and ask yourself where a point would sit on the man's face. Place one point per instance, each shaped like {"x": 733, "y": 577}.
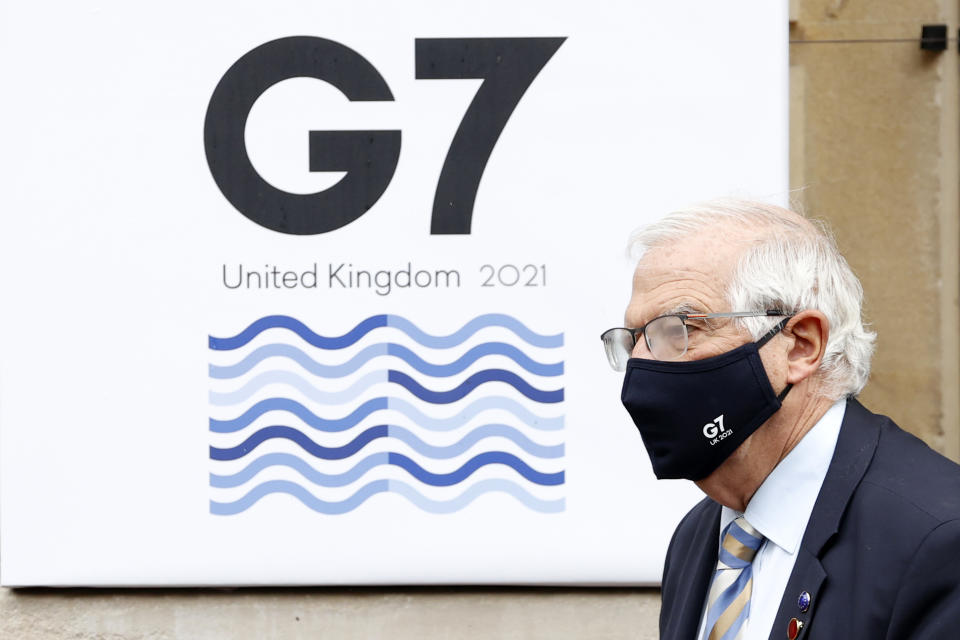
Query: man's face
{"x": 689, "y": 276}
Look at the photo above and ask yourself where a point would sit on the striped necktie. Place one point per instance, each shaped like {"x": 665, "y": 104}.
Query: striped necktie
{"x": 732, "y": 582}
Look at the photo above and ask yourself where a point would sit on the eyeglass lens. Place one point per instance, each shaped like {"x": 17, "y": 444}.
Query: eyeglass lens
{"x": 666, "y": 338}
{"x": 618, "y": 343}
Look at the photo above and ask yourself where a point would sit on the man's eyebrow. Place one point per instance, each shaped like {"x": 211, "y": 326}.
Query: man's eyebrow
{"x": 686, "y": 307}
{"x": 680, "y": 308}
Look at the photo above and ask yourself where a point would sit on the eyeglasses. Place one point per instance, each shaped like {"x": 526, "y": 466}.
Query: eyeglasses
{"x": 667, "y": 336}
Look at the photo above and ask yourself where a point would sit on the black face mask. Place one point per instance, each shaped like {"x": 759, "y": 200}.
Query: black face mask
{"x": 692, "y": 415}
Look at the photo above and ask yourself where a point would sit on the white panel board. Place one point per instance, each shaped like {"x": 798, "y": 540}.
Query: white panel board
{"x": 194, "y": 396}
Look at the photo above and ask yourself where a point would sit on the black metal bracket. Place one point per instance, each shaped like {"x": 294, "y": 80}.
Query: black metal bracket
{"x": 933, "y": 37}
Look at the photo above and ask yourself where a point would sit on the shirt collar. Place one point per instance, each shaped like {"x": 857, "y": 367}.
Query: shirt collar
{"x": 782, "y": 505}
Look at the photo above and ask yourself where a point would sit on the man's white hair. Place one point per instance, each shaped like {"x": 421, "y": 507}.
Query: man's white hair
{"x": 792, "y": 264}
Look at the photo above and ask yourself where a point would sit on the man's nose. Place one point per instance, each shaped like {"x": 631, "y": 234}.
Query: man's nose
{"x": 641, "y": 350}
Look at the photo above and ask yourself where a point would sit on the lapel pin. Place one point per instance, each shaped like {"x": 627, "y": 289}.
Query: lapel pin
{"x": 803, "y": 601}
{"x": 793, "y": 628}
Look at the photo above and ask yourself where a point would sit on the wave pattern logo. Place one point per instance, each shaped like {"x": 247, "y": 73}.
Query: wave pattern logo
{"x": 440, "y": 420}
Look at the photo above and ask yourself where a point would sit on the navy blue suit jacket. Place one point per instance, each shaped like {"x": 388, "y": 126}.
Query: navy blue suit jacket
{"x": 880, "y": 556}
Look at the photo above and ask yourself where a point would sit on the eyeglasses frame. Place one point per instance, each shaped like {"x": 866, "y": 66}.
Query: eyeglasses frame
{"x": 634, "y": 332}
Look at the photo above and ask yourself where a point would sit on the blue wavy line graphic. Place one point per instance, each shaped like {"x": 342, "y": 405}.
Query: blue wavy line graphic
{"x": 388, "y": 458}
{"x": 291, "y": 352}
{"x": 301, "y": 494}
{"x": 471, "y": 383}
{"x": 373, "y": 378}
{"x": 308, "y": 445}
{"x": 431, "y": 423}
{"x": 492, "y": 403}
{"x": 292, "y": 324}
{"x": 471, "y": 465}
{"x": 258, "y": 382}
{"x": 303, "y": 467}
{"x": 480, "y": 322}
{"x": 384, "y": 320}
{"x": 473, "y": 437}
{"x": 464, "y": 499}
{"x": 297, "y": 409}
{"x": 491, "y": 485}
{"x": 400, "y": 433}
{"x": 383, "y": 431}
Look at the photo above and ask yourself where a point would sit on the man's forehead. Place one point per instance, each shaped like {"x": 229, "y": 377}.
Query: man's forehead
{"x": 712, "y": 266}
{"x": 662, "y": 291}
{"x": 687, "y": 275}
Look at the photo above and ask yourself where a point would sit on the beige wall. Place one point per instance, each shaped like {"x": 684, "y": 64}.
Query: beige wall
{"x": 875, "y": 151}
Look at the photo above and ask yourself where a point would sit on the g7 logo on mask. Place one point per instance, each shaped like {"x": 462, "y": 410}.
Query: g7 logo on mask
{"x": 507, "y": 67}
{"x": 713, "y": 429}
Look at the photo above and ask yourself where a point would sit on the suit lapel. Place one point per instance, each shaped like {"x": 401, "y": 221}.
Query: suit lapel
{"x": 808, "y": 575}
{"x": 693, "y": 571}
{"x": 851, "y": 457}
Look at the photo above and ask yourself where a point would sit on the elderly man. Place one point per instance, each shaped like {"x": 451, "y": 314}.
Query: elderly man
{"x": 743, "y": 351}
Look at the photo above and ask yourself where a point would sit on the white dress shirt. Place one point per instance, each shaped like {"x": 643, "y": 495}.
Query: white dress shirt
{"x": 780, "y": 510}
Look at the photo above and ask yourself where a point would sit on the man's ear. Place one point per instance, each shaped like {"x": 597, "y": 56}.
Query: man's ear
{"x": 807, "y": 332}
